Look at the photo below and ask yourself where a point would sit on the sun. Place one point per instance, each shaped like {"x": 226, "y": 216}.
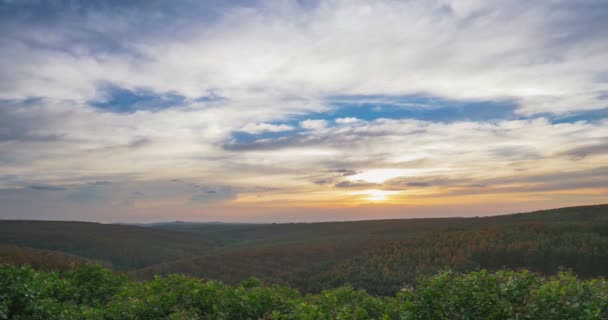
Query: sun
{"x": 375, "y": 195}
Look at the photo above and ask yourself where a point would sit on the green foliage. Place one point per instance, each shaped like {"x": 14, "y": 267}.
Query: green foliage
{"x": 566, "y": 297}
{"x": 94, "y": 293}
{"x": 477, "y": 295}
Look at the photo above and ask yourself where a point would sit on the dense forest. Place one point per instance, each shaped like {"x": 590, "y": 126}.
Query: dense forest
{"x": 91, "y": 292}
{"x": 381, "y": 256}
{"x": 123, "y": 247}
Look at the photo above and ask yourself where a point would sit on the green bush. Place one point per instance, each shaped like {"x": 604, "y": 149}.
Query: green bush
{"x": 94, "y": 293}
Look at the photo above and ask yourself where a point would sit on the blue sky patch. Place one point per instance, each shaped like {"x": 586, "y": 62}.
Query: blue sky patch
{"x": 589, "y": 116}
{"x": 420, "y": 107}
{"x": 211, "y": 97}
{"x": 120, "y": 100}
{"x": 250, "y": 137}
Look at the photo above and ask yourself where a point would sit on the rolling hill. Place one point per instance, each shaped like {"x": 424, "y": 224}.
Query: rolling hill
{"x": 124, "y": 247}
{"x": 380, "y": 255}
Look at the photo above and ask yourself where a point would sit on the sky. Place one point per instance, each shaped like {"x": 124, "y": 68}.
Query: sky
{"x": 280, "y": 111}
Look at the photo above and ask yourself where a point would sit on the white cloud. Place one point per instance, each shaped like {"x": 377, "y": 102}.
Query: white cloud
{"x": 533, "y": 53}
{"x": 347, "y": 120}
{"x": 313, "y": 124}
{"x": 257, "y": 128}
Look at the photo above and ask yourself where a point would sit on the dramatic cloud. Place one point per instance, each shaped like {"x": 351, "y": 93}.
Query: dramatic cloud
{"x": 300, "y": 110}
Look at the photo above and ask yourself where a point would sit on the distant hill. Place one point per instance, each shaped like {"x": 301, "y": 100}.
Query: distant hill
{"x": 255, "y": 235}
{"x": 124, "y": 247}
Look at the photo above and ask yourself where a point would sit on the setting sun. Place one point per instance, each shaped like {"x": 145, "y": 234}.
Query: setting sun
{"x": 376, "y": 195}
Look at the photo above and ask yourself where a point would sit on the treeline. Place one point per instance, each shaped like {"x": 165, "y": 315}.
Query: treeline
{"x": 91, "y": 292}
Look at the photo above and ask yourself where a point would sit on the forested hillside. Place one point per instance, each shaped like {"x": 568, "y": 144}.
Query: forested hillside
{"x": 539, "y": 247}
{"x": 379, "y": 256}
{"x": 40, "y": 259}
{"x": 124, "y": 247}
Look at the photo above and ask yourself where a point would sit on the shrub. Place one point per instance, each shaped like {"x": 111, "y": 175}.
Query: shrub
{"x": 94, "y": 293}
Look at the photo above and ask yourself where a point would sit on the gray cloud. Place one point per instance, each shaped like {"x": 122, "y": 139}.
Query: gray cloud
{"x": 209, "y": 194}
{"x": 515, "y": 152}
{"x": 140, "y": 142}
{"x": 46, "y": 188}
{"x": 418, "y": 184}
{"x": 572, "y": 180}
{"x": 354, "y": 184}
{"x": 346, "y": 172}
{"x": 423, "y": 182}
{"x": 585, "y": 151}
{"x": 322, "y": 181}
{"x": 267, "y": 144}
{"x": 24, "y": 121}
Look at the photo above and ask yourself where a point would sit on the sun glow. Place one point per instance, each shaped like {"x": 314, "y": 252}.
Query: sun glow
{"x": 379, "y": 175}
{"x": 376, "y": 195}
{"x": 382, "y": 175}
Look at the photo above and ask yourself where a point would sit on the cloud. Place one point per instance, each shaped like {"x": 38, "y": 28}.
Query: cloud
{"x": 257, "y": 128}
{"x": 347, "y": 120}
{"x": 266, "y": 144}
{"x": 46, "y": 188}
{"x": 345, "y": 172}
{"x": 586, "y": 150}
{"x": 418, "y": 184}
{"x": 355, "y": 184}
{"x": 531, "y": 53}
{"x": 242, "y": 94}
{"x": 218, "y": 194}
{"x": 311, "y": 124}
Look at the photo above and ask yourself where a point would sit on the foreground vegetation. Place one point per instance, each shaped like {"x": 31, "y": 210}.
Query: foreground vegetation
{"x": 92, "y": 292}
